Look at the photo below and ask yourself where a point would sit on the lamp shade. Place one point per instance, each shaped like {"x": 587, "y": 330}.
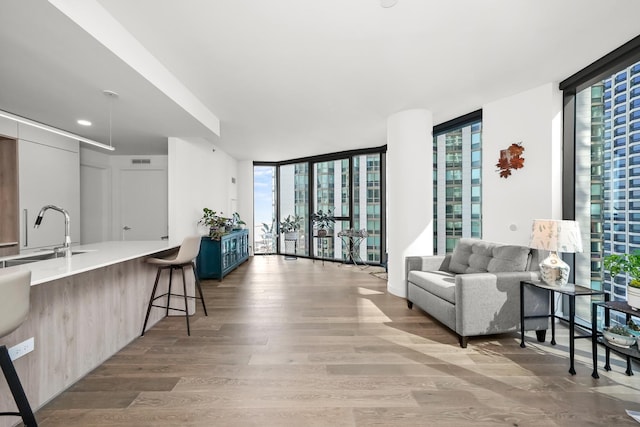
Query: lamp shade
{"x": 556, "y": 236}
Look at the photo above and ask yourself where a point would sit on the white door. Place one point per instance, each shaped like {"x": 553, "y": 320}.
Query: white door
{"x": 143, "y": 204}
{"x": 95, "y": 203}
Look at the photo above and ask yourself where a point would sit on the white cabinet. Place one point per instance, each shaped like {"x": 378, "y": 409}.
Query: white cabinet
{"x": 8, "y": 128}
{"x": 49, "y": 174}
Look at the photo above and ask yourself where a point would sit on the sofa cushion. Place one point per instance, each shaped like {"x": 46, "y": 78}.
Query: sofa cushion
{"x": 439, "y": 283}
{"x": 508, "y": 258}
{"x": 471, "y": 256}
{"x": 479, "y": 256}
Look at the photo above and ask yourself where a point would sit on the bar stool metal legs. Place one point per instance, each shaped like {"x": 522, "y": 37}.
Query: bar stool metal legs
{"x": 14, "y": 309}
{"x": 169, "y": 294}
{"x": 17, "y": 391}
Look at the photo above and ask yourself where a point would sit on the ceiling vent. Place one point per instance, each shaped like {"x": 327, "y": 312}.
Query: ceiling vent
{"x": 140, "y": 161}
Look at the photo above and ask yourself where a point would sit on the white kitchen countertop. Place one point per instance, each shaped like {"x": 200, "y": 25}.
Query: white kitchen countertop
{"x": 98, "y": 255}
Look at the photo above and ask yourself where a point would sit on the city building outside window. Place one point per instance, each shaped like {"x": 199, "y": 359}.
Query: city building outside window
{"x": 457, "y": 186}
{"x": 600, "y": 177}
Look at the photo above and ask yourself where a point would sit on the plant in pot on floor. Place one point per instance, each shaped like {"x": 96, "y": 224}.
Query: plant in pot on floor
{"x": 323, "y": 221}
{"x": 626, "y": 264}
{"x": 217, "y": 223}
{"x": 290, "y": 227}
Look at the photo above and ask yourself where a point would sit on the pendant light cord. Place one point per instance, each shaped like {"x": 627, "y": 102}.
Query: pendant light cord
{"x": 112, "y": 95}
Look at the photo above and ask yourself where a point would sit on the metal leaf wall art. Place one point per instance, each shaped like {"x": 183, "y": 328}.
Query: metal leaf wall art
{"x": 511, "y": 158}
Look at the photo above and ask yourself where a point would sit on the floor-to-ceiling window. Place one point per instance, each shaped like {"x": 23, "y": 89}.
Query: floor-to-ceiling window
{"x": 457, "y": 192}
{"x": 350, "y": 185}
{"x": 332, "y": 194}
{"x": 264, "y": 208}
{"x": 294, "y": 203}
{"x": 367, "y": 204}
{"x": 602, "y": 165}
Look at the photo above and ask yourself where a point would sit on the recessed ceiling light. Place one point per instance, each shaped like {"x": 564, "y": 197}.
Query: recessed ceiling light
{"x": 84, "y": 122}
{"x": 388, "y": 3}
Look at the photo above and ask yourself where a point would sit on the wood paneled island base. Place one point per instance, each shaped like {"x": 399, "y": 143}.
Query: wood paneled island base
{"x": 78, "y": 322}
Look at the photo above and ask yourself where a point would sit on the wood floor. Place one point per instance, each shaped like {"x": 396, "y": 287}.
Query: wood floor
{"x": 296, "y": 343}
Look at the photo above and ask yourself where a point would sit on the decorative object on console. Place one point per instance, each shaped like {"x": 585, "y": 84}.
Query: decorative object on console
{"x": 511, "y": 158}
{"x": 628, "y": 264}
{"x": 217, "y": 223}
{"x": 555, "y": 236}
{"x": 236, "y": 222}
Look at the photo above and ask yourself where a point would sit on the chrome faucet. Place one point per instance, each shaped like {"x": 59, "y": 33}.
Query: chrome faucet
{"x": 66, "y": 246}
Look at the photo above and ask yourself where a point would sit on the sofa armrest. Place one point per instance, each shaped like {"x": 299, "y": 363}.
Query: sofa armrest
{"x": 426, "y": 263}
{"x": 489, "y": 303}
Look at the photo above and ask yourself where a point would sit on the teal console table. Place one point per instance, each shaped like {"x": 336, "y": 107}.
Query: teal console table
{"x": 217, "y": 258}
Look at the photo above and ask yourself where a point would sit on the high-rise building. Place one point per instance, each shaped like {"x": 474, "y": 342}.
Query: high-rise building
{"x": 608, "y": 156}
{"x": 457, "y": 185}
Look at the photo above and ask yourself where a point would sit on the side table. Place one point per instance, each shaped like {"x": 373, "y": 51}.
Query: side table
{"x": 572, "y": 291}
{"x": 352, "y": 239}
{"x": 631, "y": 352}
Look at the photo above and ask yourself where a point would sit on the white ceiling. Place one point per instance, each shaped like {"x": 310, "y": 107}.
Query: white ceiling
{"x": 291, "y": 78}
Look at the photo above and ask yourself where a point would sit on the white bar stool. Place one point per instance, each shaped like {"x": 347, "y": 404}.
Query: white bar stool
{"x": 14, "y": 308}
{"x": 185, "y": 257}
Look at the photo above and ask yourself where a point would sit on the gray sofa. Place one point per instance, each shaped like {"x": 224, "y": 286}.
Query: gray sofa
{"x": 476, "y": 289}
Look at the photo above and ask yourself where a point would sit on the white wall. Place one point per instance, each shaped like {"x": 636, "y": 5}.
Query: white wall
{"x": 409, "y": 191}
{"x": 244, "y": 188}
{"x": 198, "y": 178}
{"x": 509, "y": 205}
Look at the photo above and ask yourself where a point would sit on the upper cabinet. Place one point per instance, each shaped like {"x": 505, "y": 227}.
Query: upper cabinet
{"x": 8, "y": 128}
{"x": 49, "y": 174}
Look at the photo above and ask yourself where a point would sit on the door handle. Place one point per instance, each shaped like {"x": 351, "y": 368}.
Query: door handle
{"x": 26, "y": 227}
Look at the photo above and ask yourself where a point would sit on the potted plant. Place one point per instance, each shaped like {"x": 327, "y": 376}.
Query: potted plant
{"x": 290, "y": 226}
{"x": 627, "y": 264}
{"x": 323, "y": 221}
{"x": 267, "y": 237}
{"x": 238, "y": 224}
{"x": 217, "y": 223}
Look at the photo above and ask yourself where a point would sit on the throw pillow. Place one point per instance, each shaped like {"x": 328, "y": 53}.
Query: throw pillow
{"x": 460, "y": 257}
{"x": 508, "y": 258}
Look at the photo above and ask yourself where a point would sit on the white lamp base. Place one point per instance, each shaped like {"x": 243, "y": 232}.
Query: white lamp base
{"x": 554, "y": 271}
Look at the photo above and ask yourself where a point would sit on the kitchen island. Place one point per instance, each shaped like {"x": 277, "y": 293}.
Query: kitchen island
{"x": 84, "y": 309}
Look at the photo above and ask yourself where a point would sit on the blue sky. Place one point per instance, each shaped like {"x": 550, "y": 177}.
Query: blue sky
{"x": 263, "y": 194}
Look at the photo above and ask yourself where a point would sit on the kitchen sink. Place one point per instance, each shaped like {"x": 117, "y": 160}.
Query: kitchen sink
{"x": 36, "y": 258}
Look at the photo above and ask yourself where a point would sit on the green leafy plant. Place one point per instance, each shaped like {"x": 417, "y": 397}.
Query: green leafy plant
{"x": 624, "y": 263}
{"x": 267, "y": 229}
{"x": 291, "y": 224}
{"x": 633, "y": 326}
{"x": 236, "y": 221}
{"x": 323, "y": 220}
{"x": 619, "y": 330}
{"x": 217, "y": 223}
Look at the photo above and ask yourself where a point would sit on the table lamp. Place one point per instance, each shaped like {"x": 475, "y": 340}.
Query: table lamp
{"x": 555, "y": 236}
